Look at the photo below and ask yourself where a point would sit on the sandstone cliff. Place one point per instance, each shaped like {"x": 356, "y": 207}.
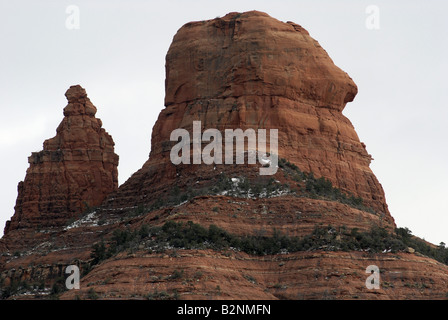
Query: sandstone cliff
{"x": 75, "y": 170}
{"x": 220, "y": 231}
{"x": 252, "y": 71}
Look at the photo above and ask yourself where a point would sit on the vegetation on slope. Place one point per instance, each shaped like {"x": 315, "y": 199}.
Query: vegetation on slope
{"x": 191, "y": 235}
{"x": 306, "y": 185}
{"x": 173, "y": 236}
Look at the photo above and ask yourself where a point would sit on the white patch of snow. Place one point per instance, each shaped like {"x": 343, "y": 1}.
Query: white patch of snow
{"x": 89, "y": 219}
{"x": 181, "y": 204}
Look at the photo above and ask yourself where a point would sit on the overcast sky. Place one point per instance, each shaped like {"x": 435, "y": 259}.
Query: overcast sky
{"x": 118, "y": 56}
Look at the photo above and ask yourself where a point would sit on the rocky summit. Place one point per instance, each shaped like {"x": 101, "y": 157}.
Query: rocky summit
{"x": 75, "y": 171}
{"x": 312, "y": 230}
{"x": 252, "y": 71}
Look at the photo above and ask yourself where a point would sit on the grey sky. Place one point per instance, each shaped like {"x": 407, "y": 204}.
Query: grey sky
{"x": 118, "y": 56}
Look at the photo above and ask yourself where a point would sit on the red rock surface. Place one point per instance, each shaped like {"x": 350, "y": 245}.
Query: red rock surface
{"x": 209, "y": 275}
{"x": 75, "y": 170}
{"x": 250, "y": 70}
{"x": 245, "y": 70}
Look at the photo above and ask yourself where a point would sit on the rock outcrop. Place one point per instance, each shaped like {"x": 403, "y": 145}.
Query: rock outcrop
{"x": 250, "y": 70}
{"x": 208, "y": 275}
{"x": 241, "y": 71}
{"x": 75, "y": 170}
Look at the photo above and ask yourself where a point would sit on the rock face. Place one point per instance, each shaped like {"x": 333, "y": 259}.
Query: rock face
{"x": 250, "y": 70}
{"x": 245, "y": 70}
{"x": 75, "y": 170}
{"x": 207, "y": 275}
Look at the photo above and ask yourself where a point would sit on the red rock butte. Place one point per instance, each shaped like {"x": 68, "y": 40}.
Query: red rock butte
{"x": 249, "y": 70}
{"x": 244, "y": 70}
{"x": 75, "y": 170}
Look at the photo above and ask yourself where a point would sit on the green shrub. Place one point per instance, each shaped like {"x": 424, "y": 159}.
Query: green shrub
{"x": 194, "y": 236}
{"x": 177, "y": 274}
{"x": 92, "y": 295}
{"x": 320, "y": 187}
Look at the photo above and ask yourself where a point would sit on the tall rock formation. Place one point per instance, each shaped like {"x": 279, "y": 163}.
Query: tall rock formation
{"x": 249, "y": 70}
{"x": 244, "y": 70}
{"x": 75, "y": 170}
